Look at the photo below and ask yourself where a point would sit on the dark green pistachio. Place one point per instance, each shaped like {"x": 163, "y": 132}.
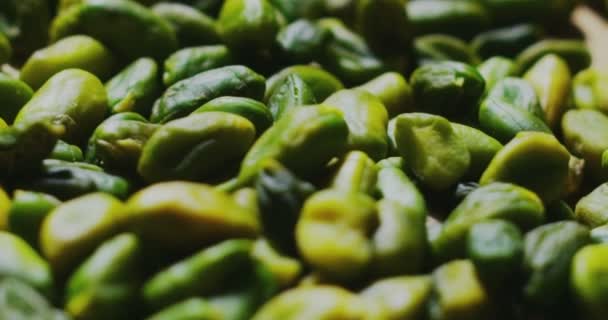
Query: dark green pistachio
{"x": 440, "y": 47}
{"x": 302, "y": 41}
{"x": 493, "y": 201}
{"x": 315, "y": 133}
{"x": 348, "y": 56}
{"x": 27, "y": 211}
{"x": 460, "y": 18}
{"x": 293, "y": 92}
{"x": 188, "y": 62}
{"x": 185, "y": 96}
{"x": 15, "y": 94}
{"x": 191, "y": 26}
{"x": 447, "y": 88}
{"x": 321, "y": 82}
{"x": 201, "y": 274}
{"x": 548, "y": 253}
{"x": 280, "y": 195}
{"x": 118, "y": 141}
{"x": 249, "y": 24}
{"x": 587, "y": 280}
{"x": 507, "y": 41}
{"x": 130, "y": 30}
{"x": 254, "y": 111}
{"x": 66, "y": 180}
{"x": 107, "y": 281}
{"x": 134, "y": 88}
{"x": 384, "y": 25}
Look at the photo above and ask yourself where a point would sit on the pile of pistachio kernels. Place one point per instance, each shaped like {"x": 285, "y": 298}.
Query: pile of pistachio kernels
{"x": 302, "y": 160}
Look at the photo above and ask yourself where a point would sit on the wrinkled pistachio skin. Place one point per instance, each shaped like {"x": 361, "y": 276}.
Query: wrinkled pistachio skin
{"x": 185, "y": 96}
{"x": 195, "y": 147}
{"x": 588, "y": 280}
{"x": 293, "y": 92}
{"x": 493, "y": 201}
{"x": 254, "y": 111}
{"x": 534, "y": 160}
{"x": 188, "y": 62}
{"x": 548, "y": 253}
{"x": 80, "y": 52}
{"x": 367, "y": 121}
{"x": 191, "y": 26}
{"x": 134, "y": 88}
{"x": 73, "y": 230}
{"x": 315, "y": 133}
{"x": 113, "y": 267}
{"x": 149, "y": 34}
{"x": 118, "y": 141}
{"x": 73, "y": 100}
